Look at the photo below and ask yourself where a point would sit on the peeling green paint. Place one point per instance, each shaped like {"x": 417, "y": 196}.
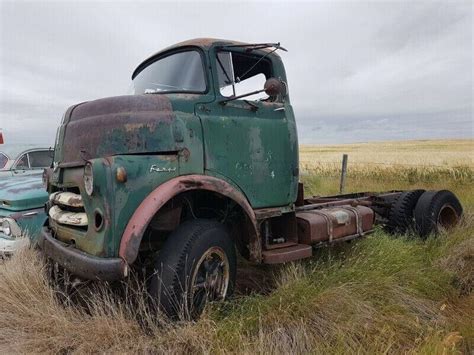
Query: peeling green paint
{"x": 157, "y": 137}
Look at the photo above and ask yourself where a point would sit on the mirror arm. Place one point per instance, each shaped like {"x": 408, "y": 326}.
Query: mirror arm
{"x": 223, "y": 102}
{"x": 253, "y": 107}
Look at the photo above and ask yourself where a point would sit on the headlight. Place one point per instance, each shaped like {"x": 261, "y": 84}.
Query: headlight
{"x": 6, "y": 228}
{"x": 88, "y": 179}
{"x": 9, "y": 227}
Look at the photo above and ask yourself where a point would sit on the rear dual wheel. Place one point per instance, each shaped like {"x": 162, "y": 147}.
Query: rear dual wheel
{"x": 435, "y": 211}
{"x": 424, "y": 212}
{"x": 401, "y": 216}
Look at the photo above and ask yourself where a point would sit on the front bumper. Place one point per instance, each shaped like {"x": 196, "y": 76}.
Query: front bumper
{"x": 80, "y": 263}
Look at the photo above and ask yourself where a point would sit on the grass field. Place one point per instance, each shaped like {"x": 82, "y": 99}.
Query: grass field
{"x": 382, "y": 294}
{"x": 412, "y": 161}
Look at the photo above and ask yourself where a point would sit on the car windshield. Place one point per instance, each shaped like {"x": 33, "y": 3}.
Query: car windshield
{"x": 179, "y": 72}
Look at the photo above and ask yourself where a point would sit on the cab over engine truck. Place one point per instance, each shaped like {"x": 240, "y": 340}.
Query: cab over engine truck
{"x": 197, "y": 164}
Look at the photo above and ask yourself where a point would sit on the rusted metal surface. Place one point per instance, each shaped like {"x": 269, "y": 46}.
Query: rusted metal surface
{"x": 80, "y": 263}
{"x": 67, "y": 199}
{"x": 142, "y": 216}
{"x": 329, "y": 224}
{"x": 380, "y": 203}
{"x": 332, "y": 203}
{"x": 329, "y": 202}
{"x": 264, "y": 213}
{"x": 59, "y": 200}
{"x": 65, "y": 233}
{"x": 121, "y": 174}
{"x": 78, "y": 219}
{"x": 300, "y": 197}
{"x": 118, "y": 125}
{"x": 74, "y": 223}
{"x": 273, "y": 87}
{"x": 287, "y": 254}
{"x": 255, "y": 146}
{"x": 276, "y": 231}
{"x": 144, "y": 150}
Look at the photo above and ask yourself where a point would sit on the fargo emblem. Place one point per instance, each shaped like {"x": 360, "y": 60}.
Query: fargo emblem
{"x": 157, "y": 169}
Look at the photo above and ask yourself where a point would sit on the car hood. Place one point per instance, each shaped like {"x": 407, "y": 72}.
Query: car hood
{"x": 22, "y": 193}
{"x": 134, "y": 124}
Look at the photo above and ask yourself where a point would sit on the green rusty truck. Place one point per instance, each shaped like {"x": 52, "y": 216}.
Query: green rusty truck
{"x": 197, "y": 165}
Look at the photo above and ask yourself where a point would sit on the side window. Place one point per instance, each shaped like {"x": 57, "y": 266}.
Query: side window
{"x": 22, "y": 163}
{"x": 240, "y": 73}
{"x": 40, "y": 159}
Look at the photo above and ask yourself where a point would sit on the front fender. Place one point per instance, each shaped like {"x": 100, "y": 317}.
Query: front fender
{"x": 142, "y": 216}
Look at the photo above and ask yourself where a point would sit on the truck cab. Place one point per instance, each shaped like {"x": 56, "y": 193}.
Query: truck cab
{"x": 197, "y": 164}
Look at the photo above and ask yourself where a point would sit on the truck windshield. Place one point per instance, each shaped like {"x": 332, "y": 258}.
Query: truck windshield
{"x": 179, "y": 72}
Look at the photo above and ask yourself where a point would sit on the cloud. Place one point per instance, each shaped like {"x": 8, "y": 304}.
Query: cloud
{"x": 356, "y": 70}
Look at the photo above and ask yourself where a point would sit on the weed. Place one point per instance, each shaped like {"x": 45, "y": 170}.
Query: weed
{"x": 377, "y": 295}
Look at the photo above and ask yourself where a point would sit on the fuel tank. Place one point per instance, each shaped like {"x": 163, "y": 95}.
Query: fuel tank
{"x": 330, "y": 224}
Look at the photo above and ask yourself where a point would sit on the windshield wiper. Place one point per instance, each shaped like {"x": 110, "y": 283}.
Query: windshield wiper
{"x": 158, "y": 90}
{"x": 256, "y": 46}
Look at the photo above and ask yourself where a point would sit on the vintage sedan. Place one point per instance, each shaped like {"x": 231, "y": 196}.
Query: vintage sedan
{"x": 22, "y": 212}
{"x": 18, "y": 160}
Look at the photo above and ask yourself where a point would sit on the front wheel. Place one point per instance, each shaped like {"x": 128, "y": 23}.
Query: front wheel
{"x": 196, "y": 265}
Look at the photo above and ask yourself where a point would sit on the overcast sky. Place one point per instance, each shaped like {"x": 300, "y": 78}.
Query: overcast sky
{"x": 357, "y": 71}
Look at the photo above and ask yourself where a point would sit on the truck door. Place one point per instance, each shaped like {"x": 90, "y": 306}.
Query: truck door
{"x": 252, "y": 141}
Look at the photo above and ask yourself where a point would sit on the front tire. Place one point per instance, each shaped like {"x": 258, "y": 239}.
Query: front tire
{"x": 196, "y": 265}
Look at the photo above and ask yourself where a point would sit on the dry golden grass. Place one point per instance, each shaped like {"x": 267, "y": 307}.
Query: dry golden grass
{"x": 381, "y": 294}
{"x": 441, "y": 153}
{"x": 432, "y": 160}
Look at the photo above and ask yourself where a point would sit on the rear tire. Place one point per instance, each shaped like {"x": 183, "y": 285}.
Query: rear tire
{"x": 436, "y": 210}
{"x": 401, "y": 216}
{"x": 196, "y": 265}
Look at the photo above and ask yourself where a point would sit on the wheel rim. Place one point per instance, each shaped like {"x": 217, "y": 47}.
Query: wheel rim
{"x": 447, "y": 216}
{"x": 210, "y": 279}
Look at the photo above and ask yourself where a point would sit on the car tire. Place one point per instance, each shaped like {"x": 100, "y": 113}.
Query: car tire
{"x": 401, "y": 215}
{"x": 436, "y": 210}
{"x": 197, "y": 264}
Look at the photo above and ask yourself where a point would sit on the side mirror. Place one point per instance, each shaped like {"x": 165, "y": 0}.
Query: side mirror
{"x": 274, "y": 87}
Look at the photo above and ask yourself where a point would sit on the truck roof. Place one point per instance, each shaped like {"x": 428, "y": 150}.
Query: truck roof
{"x": 203, "y": 43}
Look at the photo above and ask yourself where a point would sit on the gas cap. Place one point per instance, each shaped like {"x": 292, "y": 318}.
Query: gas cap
{"x": 341, "y": 216}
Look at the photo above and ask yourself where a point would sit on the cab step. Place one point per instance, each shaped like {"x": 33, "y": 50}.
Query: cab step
{"x": 286, "y": 254}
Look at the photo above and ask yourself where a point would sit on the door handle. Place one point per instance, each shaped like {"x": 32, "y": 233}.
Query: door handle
{"x": 279, "y": 109}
